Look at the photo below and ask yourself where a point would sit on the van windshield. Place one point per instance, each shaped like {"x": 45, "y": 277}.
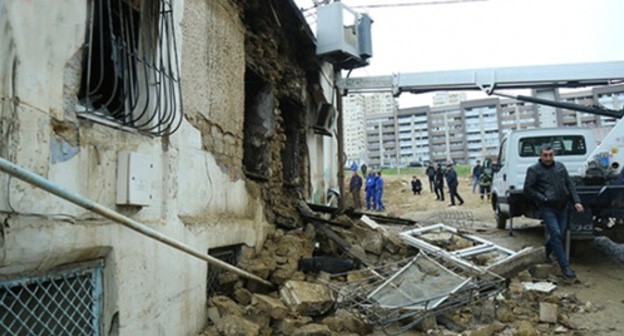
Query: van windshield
{"x": 562, "y": 145}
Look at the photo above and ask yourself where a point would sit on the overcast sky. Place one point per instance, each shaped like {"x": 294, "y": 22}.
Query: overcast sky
{"x": 490, "y": 33}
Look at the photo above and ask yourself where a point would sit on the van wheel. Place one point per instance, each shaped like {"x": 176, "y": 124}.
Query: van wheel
{"x": 501, "y": 218}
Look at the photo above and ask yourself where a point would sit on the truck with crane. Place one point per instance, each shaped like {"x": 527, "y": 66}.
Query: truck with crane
{"x": 594, "y": 167}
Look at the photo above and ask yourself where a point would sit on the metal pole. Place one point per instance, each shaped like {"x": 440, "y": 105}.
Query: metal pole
{"x": 47, "y": 185}
{"x": 340, "y": 142}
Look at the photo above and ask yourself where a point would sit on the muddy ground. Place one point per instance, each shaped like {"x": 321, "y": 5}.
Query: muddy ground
{"x": 599, "y": 264}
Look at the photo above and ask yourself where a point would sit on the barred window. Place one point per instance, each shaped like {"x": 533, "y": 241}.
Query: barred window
{"x": 67, "y": 302}
{"x": 130, "y": 68}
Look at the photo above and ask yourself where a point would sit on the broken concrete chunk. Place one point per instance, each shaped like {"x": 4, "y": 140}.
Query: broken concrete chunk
{"x": 369, "y": 222}
{"x": 213, "y": 315}
{"x": 261, "y": 318}
{"x": 242, "y": 296}
{"x": 306, "y": 298}
{"x": 343, "y": 321}
{"x": 428, "y": 323}
{"x": 261, "y": 266}
{"x": 548, "y": 312}
{"x": 505, "y": 315}
{"x": 226, "y": 306}
{"x": 231, "y": 325}
{"x": 313, "y": 329}
{"x": 293, "y": 246}
{"x": 266, "y": 331}
{"x": 525, "y": 328}
{"x": 284, "y": 272}
{"x": 489, "y": 330}
{"x": 274, "y": 307}
{"x": 541, "y": 271}
{"x": 373, "y": 242}
{"x": 561, "y": 330}
{"x": 288, "y": 325}
{"x": 515, "y": 290}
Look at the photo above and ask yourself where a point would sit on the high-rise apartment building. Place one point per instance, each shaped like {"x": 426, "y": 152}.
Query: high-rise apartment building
{"x": 358, "y": 110}
{"x": 413, "y": 135}
{"x": 353, "y": 123}
{"x": 472, "y": 129}
{"x": 443, "y": 98}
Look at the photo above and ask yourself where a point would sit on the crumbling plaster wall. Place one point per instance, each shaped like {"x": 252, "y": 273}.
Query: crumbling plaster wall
{"x": 199, "y": 195}
{"x": 214, "y": 59}
{"x": 285, "y": 58}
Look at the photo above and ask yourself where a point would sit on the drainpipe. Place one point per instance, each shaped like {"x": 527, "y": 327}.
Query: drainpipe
{"x": 340, "y": 140}
{"x": 47, "y": 185}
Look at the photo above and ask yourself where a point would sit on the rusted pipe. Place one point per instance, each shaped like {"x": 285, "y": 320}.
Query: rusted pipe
{"x": 53, "y": 188}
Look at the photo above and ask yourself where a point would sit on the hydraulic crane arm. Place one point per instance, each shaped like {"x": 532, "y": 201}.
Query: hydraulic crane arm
{"x": 489, "y": 79}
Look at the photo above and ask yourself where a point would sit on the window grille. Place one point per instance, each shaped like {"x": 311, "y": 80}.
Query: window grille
{"x": 130, "y": 69}
{"x": 63, "y": 303}
{"x": 228, "y": 254}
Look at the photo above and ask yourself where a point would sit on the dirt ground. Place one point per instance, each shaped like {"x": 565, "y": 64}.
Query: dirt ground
{"x": 599, "y": 267}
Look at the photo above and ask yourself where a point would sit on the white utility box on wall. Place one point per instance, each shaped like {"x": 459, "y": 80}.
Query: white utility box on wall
{"x": 135, "y": 175}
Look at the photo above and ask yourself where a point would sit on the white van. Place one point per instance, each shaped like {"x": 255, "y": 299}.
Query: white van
{"x": 521, "y": 149}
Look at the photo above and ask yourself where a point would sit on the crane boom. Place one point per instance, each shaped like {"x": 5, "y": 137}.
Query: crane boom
{"x": 489, "y": 79}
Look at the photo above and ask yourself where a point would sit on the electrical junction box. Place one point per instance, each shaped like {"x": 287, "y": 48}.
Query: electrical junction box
{"x": 343, "y": 36}
{"x": 135, "y": 175}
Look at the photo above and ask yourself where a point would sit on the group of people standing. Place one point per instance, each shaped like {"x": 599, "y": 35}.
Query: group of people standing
{"x": 373, "y": 187}
{"x": 437, "y": 176}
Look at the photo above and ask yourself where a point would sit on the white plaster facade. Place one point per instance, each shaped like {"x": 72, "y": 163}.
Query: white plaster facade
{"x": 154, "y": 289}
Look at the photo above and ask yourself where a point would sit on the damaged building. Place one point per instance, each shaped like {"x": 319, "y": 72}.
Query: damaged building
{"x": 205, "y": 120}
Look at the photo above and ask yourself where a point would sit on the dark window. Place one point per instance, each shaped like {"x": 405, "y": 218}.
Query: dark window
{"x": 291, "y": 154}
{"x": 228, "y": 254}
{"x": 258, "y": 126}
{"x": 130, "y": 73}
{"x": 562, "y": 145}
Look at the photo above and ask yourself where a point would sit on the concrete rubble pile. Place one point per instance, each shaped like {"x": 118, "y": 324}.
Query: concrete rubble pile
{"x": 302, "y": 304}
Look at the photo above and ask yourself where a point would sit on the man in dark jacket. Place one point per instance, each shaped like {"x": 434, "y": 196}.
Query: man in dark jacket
{"x": 355, "y": 186}
{"x": 452, "y": 182}
{"x": 431, "y": 175}
{"x": 548, "y": 183}
{"x": 476, "y": 174}
{"x": 416, "y": 185}
{"x": 439, "y": 183}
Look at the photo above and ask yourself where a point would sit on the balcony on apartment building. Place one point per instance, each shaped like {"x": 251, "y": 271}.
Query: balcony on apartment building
{"x": 388, "y": 145}
{"x": 373, "y": 146}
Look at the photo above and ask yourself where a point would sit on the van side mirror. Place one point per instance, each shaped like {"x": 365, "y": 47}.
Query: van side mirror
{"x": 496, "y": 167}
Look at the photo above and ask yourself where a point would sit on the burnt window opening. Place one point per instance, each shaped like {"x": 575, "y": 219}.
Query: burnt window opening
{"x": 130, "y": 73}
{"x": 258, "y": 125}
{"x": 228, "y": 254}
{"x": 291, "y": 114}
